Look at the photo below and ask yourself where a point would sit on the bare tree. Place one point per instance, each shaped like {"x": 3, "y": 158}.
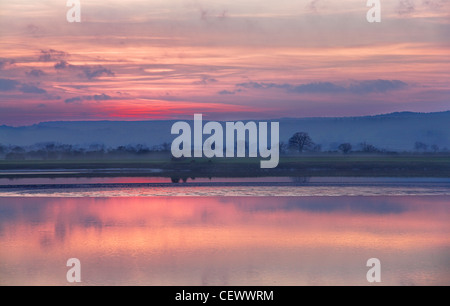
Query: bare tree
{"x": 420, "y": 146}
{"x": 283, "y": 148}
{"x": 300, "y": 141}
{"x": 368, "y": 148}
{"x": 345, "y": 147}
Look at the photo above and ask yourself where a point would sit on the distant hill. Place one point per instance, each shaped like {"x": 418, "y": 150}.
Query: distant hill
{"x": 396, "y": 131}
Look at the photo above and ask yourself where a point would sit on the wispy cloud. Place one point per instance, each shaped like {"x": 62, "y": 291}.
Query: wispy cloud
{"x": 4, "y": 62}
{"x": 101, "y": 97}
{"x": 434, "y": 4}
{"x": 360, "y": 87}
{"x": 97, "y": 71}
{"x": 312, "y": 5}
{"x": 63, "y": 65}
{"x": 35, "y": 73}
{"x": 306, "y": 58}
{"x": 26, "y": 88}
{"x": 7, "y": 85}
{"x": 372, "y": 86}
{"x": 90, "y": 72}
{"x": 205, "y": 81}
{"x": 10, "y": 85}
{"x": 226, "y": 92}
{"x": 51, "y": 55}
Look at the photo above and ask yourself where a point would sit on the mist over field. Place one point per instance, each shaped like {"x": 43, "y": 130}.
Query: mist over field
{"x": 391, "y": 132}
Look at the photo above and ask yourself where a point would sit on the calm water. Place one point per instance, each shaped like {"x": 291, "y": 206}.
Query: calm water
{"x": 294, "y": 240}
{"x": 253, "y": 186}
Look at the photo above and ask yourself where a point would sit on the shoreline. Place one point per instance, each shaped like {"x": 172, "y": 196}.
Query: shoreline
{"x": 299, "y": 166}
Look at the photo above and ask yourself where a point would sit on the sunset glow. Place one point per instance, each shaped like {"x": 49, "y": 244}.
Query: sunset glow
{"x": 140, "y": 60}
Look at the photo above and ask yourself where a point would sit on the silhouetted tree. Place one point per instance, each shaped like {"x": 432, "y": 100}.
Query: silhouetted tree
{"x": 420, "y": 146}
{"x": 345, "y": 147}
{"x": 300, "y": 141}
{"x": 317, "y": 148}
{"x": 368, "y": 148}
{"x": 435, "y": 148}
{"x": 283, "y": 148}
{"x": 165, "y": 147}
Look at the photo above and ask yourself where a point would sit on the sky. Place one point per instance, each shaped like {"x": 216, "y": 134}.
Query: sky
{"x": 228, "y": 60}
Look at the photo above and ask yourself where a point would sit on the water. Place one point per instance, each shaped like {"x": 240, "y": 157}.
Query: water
{"x": 251, "y": 186}
{"x": 232, "y": 240}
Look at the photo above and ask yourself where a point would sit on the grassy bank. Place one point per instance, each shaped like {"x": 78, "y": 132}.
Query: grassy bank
{"x": 323, "y": 165}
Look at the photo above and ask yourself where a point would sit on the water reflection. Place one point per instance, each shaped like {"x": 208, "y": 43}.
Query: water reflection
{"x": 230, "y": 241}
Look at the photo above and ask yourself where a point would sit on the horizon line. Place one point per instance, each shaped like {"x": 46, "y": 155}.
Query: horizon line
{"x": 182, "y": 119}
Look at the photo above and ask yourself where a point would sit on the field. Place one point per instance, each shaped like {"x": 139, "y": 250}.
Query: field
{"x": 304, "y": 166}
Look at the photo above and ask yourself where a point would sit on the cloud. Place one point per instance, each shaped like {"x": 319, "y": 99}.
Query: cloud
{"x": 94, "y": 72}
{"x": 34, "y": 31}
{"x": 51, "y": 55}
{"x": 7, "y": 84}
{"x": 360, "y": 87}
{"x": 226, "y": 92}
{"x": 229, "y": 92}
{"x": 373, "y": 86}
{"x": 25, "y": 88}
{"x": 319, "y": 87}
{"x": 203, "y": 14}
{"x": 206, "y": 14}
{"x": 312, "y": 6}
{"x": 74, "y": 99}
{"x": 36, "y": 73}
{"x": 256, "y": 85}
{"x": 434, "y": 4}
{"x": 405, "y": 7}
{"x": 101, "y": 97}
{"x": 5, "y": 62}
{"x": 63, "y": 65}
{"x": 91, "y": 72}
{"x": 205, "y": 81}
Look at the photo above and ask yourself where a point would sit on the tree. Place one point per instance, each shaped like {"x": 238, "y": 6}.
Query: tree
{"x": 300, "y": 141}
{"x": 435, "y": 148}
{"x": 345, "y": 147}
{"x": 165, "y": 147}
{"x": 420, "y": 146}
{"x": 283, "y": 148}
{"x": 317, "y": 148}
{"x": 368, "y": 148}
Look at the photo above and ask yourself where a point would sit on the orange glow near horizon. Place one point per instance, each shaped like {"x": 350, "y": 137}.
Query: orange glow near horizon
{"x": 160, "y": 60}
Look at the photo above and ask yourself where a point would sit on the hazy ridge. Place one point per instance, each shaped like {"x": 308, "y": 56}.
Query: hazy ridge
{"x": 395, "y": 131}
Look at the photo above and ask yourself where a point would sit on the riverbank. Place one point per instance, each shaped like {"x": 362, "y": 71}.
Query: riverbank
{"x": 303, "y": 166}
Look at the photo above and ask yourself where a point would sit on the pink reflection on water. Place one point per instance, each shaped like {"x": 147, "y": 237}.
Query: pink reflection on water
{"x": 234, "y": 240}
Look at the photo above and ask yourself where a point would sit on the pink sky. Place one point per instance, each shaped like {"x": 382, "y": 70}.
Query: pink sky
{"x": 141, "y": 60}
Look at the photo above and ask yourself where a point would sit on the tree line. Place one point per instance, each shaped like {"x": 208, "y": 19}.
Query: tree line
{"x": 49, "y": 151}
{"x": 299, "y": 143}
